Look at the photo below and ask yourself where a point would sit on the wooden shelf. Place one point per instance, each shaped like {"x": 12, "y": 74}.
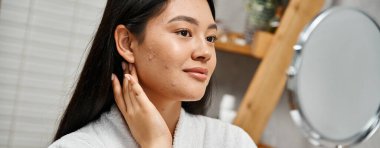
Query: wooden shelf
{"x": 257, "y": 49}
{"x": 233, "y": 48}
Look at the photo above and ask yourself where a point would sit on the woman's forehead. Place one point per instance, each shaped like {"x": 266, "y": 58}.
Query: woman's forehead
{"x": 197, "y": 9}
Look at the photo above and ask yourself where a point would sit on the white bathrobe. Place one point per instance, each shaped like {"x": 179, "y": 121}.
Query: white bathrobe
{"x": 192, "y": 131}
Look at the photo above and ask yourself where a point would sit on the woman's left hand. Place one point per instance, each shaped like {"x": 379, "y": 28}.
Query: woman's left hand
{"x": 144, "y": 121}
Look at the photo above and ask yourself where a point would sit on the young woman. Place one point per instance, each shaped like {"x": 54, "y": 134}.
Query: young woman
{"x": 146, "y": 80}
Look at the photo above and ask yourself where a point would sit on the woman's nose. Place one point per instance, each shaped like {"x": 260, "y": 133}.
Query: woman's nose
{"x": 202, "y": 51}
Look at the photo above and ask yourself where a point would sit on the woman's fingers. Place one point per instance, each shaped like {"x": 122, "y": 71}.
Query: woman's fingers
{"x": 126, "y": 93}
{"x": 118, "y": 93}
{"x": 126, "y": 90}
{"x": 144, "y": 121}
{"x": 121, "y": 92}
{"x": 137, "y": 88}
{"x": 138, "y": 93}
{"x": 130, "y": 94}
{"x": 133, "y": 72}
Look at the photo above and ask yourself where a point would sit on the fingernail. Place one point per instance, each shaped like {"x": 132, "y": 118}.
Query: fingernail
{"x": 123, "y": 65}
{"x": 127, "y": 76}
{"x": 112, "y": 76}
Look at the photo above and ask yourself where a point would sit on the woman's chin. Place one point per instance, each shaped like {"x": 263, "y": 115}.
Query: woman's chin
{"x": 189, "y": 94}
{"x": 193, "y": 97}
{"x": 191, "y": 100}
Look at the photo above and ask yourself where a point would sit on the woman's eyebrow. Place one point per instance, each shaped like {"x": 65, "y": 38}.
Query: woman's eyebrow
{"x": 186, "y": 19}
{"x": 191, "y": 21}
{"x": 212, "y": 26}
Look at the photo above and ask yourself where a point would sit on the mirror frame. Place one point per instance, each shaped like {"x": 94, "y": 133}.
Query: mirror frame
{"x": 296, "y": 112}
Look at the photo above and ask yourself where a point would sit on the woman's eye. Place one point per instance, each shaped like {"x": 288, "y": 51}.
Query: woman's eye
{"x": 211, "y": 39}
{"x": 184, "y": 33}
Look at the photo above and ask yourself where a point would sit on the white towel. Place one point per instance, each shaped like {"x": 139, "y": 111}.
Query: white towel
{"x": 192, "y": 131}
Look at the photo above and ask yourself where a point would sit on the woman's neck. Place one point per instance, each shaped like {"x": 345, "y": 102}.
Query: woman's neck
{"x": 169, "y": 110}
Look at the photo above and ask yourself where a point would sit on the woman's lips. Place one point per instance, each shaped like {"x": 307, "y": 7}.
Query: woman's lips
{"x": 197, "y": 73}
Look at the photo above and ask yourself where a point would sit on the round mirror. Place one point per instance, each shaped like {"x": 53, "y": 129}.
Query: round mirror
{"x": 334, "y": 80}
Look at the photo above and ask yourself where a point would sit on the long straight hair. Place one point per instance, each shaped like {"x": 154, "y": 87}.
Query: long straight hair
{"x": 93, "y": 94}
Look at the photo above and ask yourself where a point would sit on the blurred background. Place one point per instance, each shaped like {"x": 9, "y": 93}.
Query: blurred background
{"x": 43, "y": 45}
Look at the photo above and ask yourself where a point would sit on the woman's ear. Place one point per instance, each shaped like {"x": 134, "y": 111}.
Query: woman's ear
{"x": 123, "y": 43}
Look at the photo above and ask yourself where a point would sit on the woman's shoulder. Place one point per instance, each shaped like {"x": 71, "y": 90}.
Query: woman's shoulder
{"x": 77, "y": 139}
{"x": 107, "y": 131}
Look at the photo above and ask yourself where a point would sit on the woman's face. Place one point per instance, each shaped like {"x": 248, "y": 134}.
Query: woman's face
{"x": 177, "y": 57}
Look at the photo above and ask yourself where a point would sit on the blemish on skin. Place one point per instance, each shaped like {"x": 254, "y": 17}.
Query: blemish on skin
{"x": 151, "y": 54}
{"x": 150, "y": 57}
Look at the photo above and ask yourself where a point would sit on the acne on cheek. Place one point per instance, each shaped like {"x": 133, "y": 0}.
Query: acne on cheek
{"x": 172, "y": 84}
{"x": 150, "y": 57}
{"x": 151, "y": 54}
